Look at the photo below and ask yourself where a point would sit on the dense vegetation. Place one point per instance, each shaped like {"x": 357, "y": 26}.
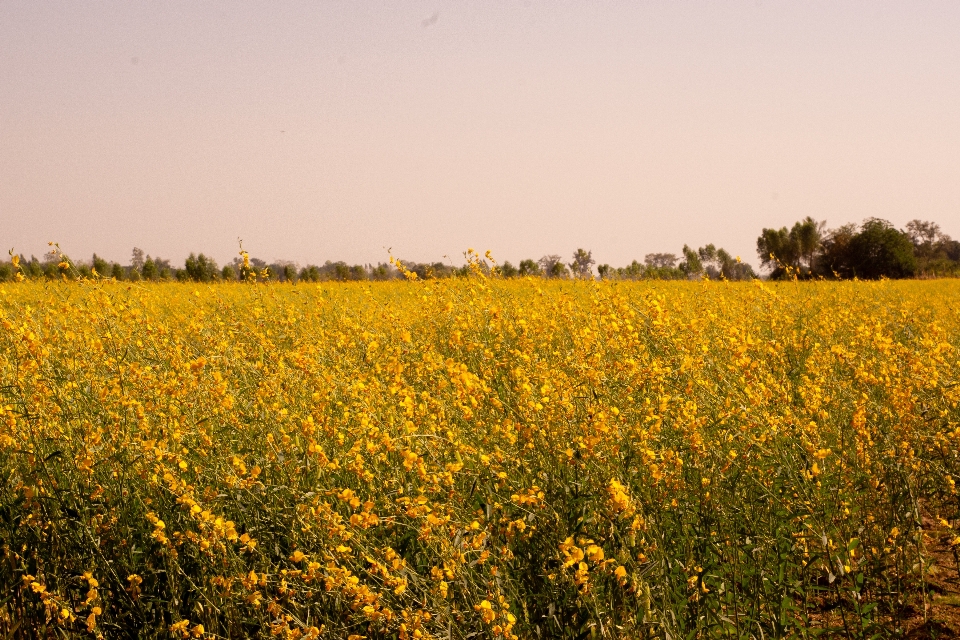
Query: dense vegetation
{"x": 476, "y": 458}
{"x": 873, "y": 250}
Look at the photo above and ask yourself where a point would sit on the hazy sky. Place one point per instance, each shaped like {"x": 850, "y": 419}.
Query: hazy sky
{"x": 334, "y": 130}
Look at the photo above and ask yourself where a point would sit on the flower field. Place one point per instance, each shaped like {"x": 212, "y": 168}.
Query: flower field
{"x": 477, "y": 458}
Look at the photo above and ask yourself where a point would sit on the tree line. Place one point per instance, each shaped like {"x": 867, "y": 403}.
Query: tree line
{"x": 873, "y": 249}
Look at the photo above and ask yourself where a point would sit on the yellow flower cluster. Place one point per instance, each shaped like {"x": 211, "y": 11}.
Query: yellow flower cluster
{"x": 474, "y": 457}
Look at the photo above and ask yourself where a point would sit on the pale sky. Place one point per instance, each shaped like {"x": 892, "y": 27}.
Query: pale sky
{"x": 335, "y": 130}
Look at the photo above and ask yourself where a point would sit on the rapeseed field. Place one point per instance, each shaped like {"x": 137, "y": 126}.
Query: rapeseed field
{"x": 477, "y": 458}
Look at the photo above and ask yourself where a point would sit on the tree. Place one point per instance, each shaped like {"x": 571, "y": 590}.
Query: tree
{"x": 660, "y": 260}
{"x": 358, "y": 272}
{"x": 136, "y": 259}
{"x": 633, "y": 271}
{"x": 101, "y": 266}
{"x": 310, "y": 273}
{"x": 117, "y": 271}
{"x": 228, "y": 274}
{"x": 529, "y": 268}
{"x": 733, "y": 268}
{"x": 31, "y": 268}
{"x": 709, "y": 260}
{"x": 935, "y": 251}
{"x": 507, "y": 270}
{"x": 792, "y": 251}
{"x": 777, "y": 251}
{"x": 924, "y": 234}
{"x": 691, "y": 264}
{"x": 582, "y": 265}
{"x": 604, "y": 271}
{"x": 807, "y": 235}
{"x": 717, "y": 263}
{"x": 382, "y": 271}
{"x": 880, "y": 250}
{"x": 150, "y": 270}
{"x": 834, "y": 260}
{"x": 552, "y": 266}
{"x": 200, "y": 268}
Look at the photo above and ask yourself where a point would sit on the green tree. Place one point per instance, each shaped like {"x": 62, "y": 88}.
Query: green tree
{"x": 791, "y": 252}
{"x": 383, "y": 271}
{"x": 691, "y": 264}
{"x": 150, "y": 270}
{"x": 633, "y": 271}
{"x": 32, "y": 268}
{"x": 341, "y": 271}
{"x": 528, "y": 268}
{"x": 101, "y": 266}
{"x": 807, "y": 235}
{"x": 936, "y": 252}
{"x": 507, "y": 270}
{"x": 880, "y": 250}
{"x": 834, "y": 260}
{"x": 358, "y": 272}
{"x": 310, "y": 273}
{"x": 200, "y": 268}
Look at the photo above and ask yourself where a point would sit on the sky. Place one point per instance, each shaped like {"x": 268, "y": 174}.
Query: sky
{"x": 319, "y": 131}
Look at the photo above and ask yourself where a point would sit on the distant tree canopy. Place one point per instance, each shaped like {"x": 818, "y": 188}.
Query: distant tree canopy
{"x": 551, "y": 266}
{"x": 200, "y": 269}
{"x": 582, "y": 265}
{"x": 935, "y": 251}
{"x": 880, "y": 250}
{"x": 660, "y": 260}
{"x": 529, "y": 268}
{"x": 791, "y": 251}
{"x": 874, "y": 249}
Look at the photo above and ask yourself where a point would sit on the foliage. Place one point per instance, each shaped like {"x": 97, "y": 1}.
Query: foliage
{"x": 507, "y": 270}
{"x": 529, "y": 268}
{"x": 714, "y": 263}
{"x": 551, "y": 266}
{"x": 477, "y": 457}
{"x": 660, "y": 260}
{"x": 936, "y": 253}
{"x": 582, "y": 265}
{"x": 880, "y": 250}
{"x": 201, "y": 268}
{"x": 792, "y": 251}
{"x": 872, "y": 250}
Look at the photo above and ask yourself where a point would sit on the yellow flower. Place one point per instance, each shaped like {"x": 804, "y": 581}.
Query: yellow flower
{"x": 595, "y": 553}
{"x": 485, "y": 608}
